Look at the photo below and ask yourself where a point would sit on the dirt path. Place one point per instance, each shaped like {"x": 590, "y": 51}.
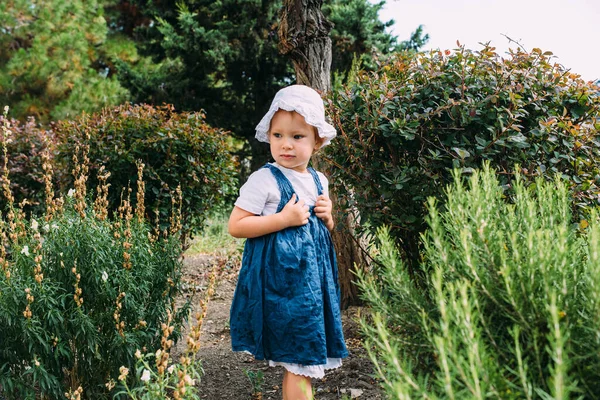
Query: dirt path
{"x": 225, "y": 372}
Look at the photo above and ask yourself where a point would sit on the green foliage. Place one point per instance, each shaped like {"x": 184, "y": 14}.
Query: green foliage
{"x": 72, "y": 310}
{"x": 507, "y": 305}
{"x": 216, "y": 240}
{"x": 220, "y": 57}
{"x": 403, "y": 128}
{"x": 26, "y": 144}
{"x": 257, "y": 380}
{"x": 358, "y": 33}
{"x": 417, "y": 40}
{"x": 223, "y": 56}
{"x": 150, "y": 385}
{"x": 177, "y": 149}
{"x": 53, "y": 60}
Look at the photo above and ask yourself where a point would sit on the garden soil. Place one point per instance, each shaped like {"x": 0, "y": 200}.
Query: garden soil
{"x": 225, "y": 372}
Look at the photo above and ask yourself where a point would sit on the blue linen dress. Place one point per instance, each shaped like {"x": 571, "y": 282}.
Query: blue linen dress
{"x": 286, "y": 306}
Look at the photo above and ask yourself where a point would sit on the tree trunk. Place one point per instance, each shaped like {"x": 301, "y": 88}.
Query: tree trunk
{"x": 304, "y": 36}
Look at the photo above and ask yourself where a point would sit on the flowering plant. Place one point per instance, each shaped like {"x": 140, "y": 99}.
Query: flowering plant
{"x": 155, "y": 378}
{"x": 25, "y": 145}
{"x": 80, "y": 292}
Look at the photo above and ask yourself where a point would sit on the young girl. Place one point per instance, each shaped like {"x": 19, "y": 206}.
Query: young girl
{"x": 286, "y": 304}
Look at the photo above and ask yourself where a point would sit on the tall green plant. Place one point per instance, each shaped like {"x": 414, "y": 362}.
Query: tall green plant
{"x": 25, "y": 149}
{"x": 508, "y": 303}
{"x": 82, "y": 292}
{"x": 404, "y": 127}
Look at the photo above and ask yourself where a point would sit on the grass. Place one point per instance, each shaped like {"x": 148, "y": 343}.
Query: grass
{"x": 216, "y": 239}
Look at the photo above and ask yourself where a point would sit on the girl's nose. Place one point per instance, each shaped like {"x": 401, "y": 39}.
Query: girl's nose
{"x": 287, "y": 144}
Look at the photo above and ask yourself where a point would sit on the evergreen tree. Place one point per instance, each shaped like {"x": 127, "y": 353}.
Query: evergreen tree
{"x": 222, "y": 56}
{"x": 416, "y": 41}
{"x": 359, "y": 33}
{"x": 53, "y": 58}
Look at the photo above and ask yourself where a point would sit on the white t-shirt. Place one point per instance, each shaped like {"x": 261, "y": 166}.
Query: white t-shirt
{"x": 260, "y": 194}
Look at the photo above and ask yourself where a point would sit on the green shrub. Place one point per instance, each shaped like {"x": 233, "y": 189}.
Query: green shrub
{"x": 80, "y": 293}
{"x": 509, "y": 305}
{"x": 403, "y": 128}
{"x": 178, "y": 149}
{"x": 25, "y": 147}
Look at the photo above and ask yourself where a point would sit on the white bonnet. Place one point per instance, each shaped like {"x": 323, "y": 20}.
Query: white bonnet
{"x": 306, "y": 102}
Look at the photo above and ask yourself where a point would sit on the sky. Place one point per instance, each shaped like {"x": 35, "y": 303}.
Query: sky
{"x": 570, "y": 29}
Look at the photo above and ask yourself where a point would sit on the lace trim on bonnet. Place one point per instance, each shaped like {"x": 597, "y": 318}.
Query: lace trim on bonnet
{"x": 306, "y": 102}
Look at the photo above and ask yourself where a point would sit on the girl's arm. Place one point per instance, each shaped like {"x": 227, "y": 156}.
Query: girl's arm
{"x": 244, "y": 224}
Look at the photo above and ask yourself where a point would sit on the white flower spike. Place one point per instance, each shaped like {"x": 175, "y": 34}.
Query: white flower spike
{"x": 145, "y": 376}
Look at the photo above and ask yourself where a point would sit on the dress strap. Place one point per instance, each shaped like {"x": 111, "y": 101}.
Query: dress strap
{"x": 285, "y": 186}
{"x": 317, "y": 181}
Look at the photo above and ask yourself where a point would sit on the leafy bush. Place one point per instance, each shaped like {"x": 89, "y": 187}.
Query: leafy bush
{"x": 80, "y": 293}
{"x": 177, "y": 149}
{"x": 403, "y": 128}
{"x": 509, "y": 303}
{"x": 25, "y": 148}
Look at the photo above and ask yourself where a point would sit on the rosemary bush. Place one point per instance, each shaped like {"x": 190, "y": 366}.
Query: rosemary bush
{"x": 508, "y": 303}
{"x": 82, "y": 293}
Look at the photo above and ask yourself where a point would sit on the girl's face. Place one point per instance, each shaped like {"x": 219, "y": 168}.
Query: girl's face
{"x": 292, "y": 140}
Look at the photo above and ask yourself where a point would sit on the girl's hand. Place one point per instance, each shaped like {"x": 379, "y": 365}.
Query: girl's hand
{"x": 323, "y": 208}
{"x": 295, "y": 214}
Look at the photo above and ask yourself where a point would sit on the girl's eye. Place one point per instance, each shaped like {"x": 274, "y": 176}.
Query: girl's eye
{"x": 277, "y": 135}
{"x": 297, "y": 137}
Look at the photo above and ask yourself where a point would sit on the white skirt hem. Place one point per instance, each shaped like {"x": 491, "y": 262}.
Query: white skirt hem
{"x": 309, "y": 371}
